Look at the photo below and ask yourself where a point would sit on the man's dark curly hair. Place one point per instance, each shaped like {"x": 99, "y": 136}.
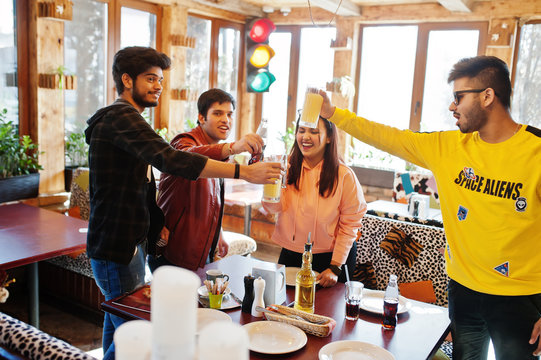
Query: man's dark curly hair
{"x": 135, "y": 60}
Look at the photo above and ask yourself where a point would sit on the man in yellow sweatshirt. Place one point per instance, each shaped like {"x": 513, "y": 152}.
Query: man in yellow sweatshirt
{"x": 488, "y": 175}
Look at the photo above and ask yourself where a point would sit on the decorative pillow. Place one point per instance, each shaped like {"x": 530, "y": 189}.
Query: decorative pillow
{"x": 401, "y": 246}
{"x": 366, "y": 274}
{"x": 418, "y": 290}
{"x": 35, "y": 344}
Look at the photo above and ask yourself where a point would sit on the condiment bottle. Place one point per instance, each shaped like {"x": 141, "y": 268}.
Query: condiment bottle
{"x": 248, "y": 299}
{"x": 259, "y": 290}
{"x": 261, "y": 131}
{"x": 305, "y": 284}
{"x": 390, "y": 304}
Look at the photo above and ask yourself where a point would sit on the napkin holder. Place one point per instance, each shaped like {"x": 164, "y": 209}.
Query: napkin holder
{"x": 419, "y": 205}
{"x": 275, "y": 282}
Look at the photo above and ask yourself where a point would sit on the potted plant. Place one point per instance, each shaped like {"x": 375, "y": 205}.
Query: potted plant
{"x": 19, "y": 166}
{"x": 76, "y": 151}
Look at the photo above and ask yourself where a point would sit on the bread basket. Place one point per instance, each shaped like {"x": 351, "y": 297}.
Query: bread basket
{"x": 321, "y": 330}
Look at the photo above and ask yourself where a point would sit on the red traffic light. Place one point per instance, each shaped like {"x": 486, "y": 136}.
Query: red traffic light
{"x": 261, "y": 29}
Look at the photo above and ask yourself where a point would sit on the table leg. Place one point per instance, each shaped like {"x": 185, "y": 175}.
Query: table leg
{"x": 33, "y": 292}
{"x": 247, "y": 219}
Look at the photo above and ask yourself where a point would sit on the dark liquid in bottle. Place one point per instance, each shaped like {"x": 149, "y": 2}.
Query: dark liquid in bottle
{"x": 389, "y": 315}
{"x": 352, "y": 310}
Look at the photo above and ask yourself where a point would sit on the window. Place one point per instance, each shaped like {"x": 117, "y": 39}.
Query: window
{"x": 402, "y": 79}
{"x": 85, "y": 41}
{"x": 137, "y": 28}
{"x": 215, "y": 62}
{"x": 526, "y": 102}
{"x": 303, "y": 57}
{"x": 8, "y": 61}
{"x": 197, "y": 66}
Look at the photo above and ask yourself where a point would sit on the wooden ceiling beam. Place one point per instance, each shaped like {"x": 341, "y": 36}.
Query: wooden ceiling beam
{"x": 457, "y": 5}
{"x": 236, "y": 6}
{"x": 347, "y": 8}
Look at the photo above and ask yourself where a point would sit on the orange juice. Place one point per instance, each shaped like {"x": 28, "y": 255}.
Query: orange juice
{"x": 271, "y": 192}
{"x": 311, "y": 109}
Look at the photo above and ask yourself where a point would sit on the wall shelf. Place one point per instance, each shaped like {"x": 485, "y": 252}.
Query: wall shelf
{"x": 183, "y": 40}
{"x": 183, "y": 94}
{"x": 341, "y": 44}
{"x": 56, "y": 9}
{"x": 52, "y": 81}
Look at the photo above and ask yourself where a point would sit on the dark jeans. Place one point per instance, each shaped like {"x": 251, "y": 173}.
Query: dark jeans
{"x": 507, "y": 320}
{"x": 320, "y": 262}
{"x": 115, "y": 279}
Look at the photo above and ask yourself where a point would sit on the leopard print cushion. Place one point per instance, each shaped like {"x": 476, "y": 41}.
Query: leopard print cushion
{"x": 31, "y": 343}
{"x": 429, "y": 265}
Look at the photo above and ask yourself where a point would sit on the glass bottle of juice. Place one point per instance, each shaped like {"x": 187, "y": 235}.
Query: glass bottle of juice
{"x": 305, "y": 286}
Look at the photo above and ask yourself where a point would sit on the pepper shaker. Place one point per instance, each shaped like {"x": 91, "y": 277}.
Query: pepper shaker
{"x": 248, "y": 299}
{"x": 259, "y": 290}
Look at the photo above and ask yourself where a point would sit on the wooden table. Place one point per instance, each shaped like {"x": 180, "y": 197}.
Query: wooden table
{"x": 417, "y": 336}
{"x": 30, "y": 234}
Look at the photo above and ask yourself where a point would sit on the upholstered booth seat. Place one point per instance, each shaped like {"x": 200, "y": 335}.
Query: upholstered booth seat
{"x": 30, "y": 343}
{"x": 428, "y": 265}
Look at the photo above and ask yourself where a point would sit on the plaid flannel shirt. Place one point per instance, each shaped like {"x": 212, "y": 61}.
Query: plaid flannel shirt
{"x": 122, "y": 145}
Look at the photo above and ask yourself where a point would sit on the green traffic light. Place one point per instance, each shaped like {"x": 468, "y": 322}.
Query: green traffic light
{"x": 262, "y": 81}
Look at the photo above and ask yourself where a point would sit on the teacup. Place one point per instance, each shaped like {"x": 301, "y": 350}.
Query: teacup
{"x": 214, "y": 274}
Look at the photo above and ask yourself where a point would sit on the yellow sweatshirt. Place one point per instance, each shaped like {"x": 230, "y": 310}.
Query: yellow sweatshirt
{"x": 490, "y": 197}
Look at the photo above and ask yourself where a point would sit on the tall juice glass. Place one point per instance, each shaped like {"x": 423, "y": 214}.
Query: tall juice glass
{"x": 311, "y": 107}
{"x": 271, "y": 192}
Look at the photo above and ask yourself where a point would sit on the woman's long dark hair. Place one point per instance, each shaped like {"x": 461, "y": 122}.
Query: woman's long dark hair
{"x": 329, "y": 169}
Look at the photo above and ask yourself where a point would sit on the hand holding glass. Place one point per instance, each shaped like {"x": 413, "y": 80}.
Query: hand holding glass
{"x": 271, "y": 192}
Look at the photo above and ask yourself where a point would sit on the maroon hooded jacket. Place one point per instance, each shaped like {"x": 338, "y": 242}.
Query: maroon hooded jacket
{"x": 193, "y": 209}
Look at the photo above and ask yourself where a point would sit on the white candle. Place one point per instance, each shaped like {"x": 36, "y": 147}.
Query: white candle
{"x": 174, "y": 309}
{"x": 223, "y": 341}
{"x": 133, "y": 340}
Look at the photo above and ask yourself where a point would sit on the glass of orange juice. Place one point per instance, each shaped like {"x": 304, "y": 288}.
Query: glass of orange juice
{"x": 271, "y": 192}
{"x": 311, "y": 107}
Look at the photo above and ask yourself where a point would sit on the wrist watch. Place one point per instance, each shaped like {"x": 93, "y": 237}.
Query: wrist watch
{"x": 337, "y": 270}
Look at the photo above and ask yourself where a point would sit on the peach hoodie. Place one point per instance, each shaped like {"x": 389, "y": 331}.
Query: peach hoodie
{"x": 333, "y": 221}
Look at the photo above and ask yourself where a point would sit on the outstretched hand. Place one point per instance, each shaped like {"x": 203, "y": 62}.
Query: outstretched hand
{"x": 536, "y": 332}
{"x": 252, "y": 143}
{"x": 327, "y": 109}
{"x": 262, "y": 172}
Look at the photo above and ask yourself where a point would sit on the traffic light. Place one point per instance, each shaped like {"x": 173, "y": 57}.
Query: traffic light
{"x": 258, "y": 55}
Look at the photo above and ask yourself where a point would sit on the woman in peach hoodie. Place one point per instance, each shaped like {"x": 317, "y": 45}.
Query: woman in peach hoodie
{"x": 322, "y": 197}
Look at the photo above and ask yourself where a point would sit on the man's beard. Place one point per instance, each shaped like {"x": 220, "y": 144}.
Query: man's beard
{"x": 139, "y": 99}
{"x": 477, "y": 118}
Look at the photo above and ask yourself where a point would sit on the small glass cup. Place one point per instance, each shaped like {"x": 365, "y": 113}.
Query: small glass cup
{"x": 215, "y": 301}
{"x": 311, "y": 107}
{"x": 353, "y": 296}
{"x": 272, "y": 192}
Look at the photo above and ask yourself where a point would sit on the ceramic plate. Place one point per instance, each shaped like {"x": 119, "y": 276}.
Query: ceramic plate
{"x": 291, "y": 275}
{"x": 351, "y": 349}
{"x": 373, "y": 302}
{"x": 273, "y": 337}
{"x": 207, "y": 316}
{"x": 203, "y": 292}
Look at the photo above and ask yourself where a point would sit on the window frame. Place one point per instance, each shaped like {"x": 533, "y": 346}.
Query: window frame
{"x": 424, "y": 29}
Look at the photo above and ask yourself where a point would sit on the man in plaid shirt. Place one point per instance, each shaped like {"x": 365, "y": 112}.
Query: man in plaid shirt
{"x": 123, "y": 147}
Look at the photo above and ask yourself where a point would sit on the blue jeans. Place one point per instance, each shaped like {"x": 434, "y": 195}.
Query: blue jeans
{"x": 115, "y": 279}
{"x": 477, "y": 317}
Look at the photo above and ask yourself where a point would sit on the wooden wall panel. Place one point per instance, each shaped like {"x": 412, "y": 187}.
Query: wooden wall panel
{"x": 50, "y": 106}
{"x": 174, "y": 22}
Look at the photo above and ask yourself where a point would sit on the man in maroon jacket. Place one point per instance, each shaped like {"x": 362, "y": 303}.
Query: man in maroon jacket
{"x": 193, "y": 209}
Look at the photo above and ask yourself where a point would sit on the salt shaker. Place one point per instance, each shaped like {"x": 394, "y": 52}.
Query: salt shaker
{"x": 259, "y": 290}
{"x": 248, "y": 299}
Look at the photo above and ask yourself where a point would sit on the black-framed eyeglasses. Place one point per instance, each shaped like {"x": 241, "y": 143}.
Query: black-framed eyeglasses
{"x": 458, "y": 94}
